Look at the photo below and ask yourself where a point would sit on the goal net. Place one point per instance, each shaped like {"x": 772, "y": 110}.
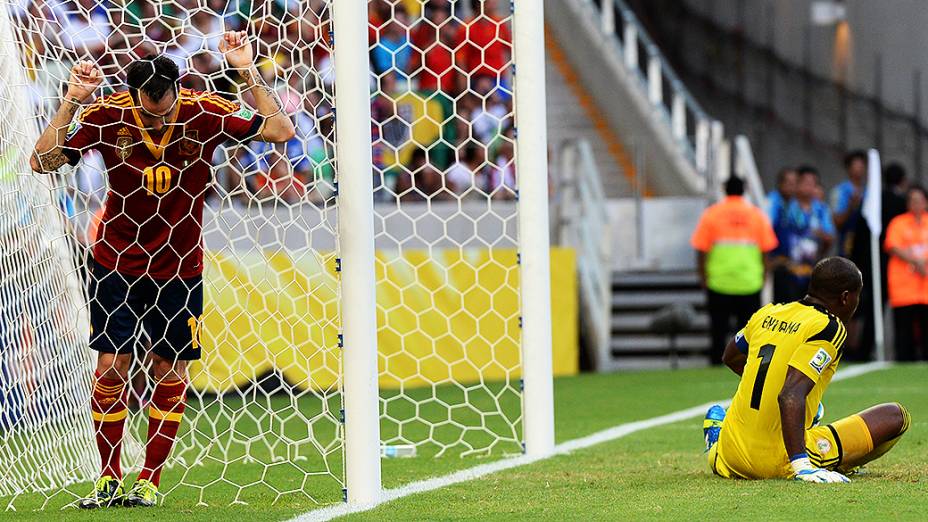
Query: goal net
{"x": 264, "y": 418}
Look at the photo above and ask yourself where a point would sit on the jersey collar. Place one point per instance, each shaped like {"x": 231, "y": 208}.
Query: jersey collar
{"x": 156, "y": 149}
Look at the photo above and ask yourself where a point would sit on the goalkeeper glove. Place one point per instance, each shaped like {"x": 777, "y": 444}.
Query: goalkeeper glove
{"x": 806, "y": 472}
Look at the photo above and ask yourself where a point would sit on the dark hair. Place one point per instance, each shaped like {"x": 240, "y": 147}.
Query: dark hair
{"x": 418, "y": 156}
{"x": 894, "y": 175}
{"x": 853, "y": 156}
{"x": 734, "y": 186}
{"x": 803, "y": 170}
{"x": 469, "y": 152}
{"x": 153, "y": 75}
{"x": 833, "y": 276}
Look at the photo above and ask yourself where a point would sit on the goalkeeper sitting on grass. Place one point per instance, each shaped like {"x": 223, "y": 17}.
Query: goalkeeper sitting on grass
{"x": 786, "y": 357}
{"x": 157, "y": 141}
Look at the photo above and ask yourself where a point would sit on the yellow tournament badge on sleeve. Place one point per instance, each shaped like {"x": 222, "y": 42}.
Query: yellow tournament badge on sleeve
{"x": 820, "y": 360}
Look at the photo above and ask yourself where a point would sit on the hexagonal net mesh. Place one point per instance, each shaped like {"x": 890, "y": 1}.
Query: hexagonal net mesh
{"x": 188, "y": 235}
{"x": 445, "y": 224}
{"x": 250, "y": 296}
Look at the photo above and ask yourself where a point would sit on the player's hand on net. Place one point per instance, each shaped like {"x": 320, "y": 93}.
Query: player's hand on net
{"x": 234, "y": 45}
{"x": 806, "y": 472}
{"x": 85, "y": 78}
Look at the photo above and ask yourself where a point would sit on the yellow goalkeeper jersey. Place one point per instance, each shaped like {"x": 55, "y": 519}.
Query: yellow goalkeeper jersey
{"x": 778, "y": 336}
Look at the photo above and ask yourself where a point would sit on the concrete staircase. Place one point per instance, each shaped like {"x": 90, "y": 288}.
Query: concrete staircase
{"x": 569, "y": 118}
{"x": 636, "y": 297}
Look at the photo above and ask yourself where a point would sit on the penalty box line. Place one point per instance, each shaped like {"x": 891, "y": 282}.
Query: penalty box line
{"x": 607, "y": 435}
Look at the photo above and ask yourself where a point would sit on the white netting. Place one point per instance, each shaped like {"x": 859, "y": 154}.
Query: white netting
{"x": 446, "y": 225}
{"x": 263, "y": 418}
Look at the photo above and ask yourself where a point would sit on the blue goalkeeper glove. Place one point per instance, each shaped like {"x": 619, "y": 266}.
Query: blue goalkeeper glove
{"x": 806, "y": 472}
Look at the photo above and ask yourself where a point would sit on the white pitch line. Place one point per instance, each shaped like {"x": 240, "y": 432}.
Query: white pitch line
{"x": 609, "y": 434}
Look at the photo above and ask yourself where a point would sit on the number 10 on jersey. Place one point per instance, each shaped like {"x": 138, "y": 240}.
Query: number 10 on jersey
{"x": 157, "y": 180}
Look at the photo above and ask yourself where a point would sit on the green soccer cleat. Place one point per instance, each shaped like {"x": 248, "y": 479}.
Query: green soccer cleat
{"x": 107, "y": 492}
{"x": 142, "y": 494}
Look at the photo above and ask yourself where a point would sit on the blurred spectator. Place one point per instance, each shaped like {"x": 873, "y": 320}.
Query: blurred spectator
{"x": 492, "y": 115}
{"x": 808, "y": 232}
{"x": 777, "y": 202}
{"x": 846, "y": 199}
{"x": 730, "y": 241}
{"x": 907, "y": 245}
{"x": 466, "y": 177}
{"x": 434, "y": 39}
{"x": 392, "y": 53}
{"x": 269, "y": 173}
{"x": 859, "y": 347}
{"x": 420, "y": 181}
{"x": 486, "y": 46}
{"x": 501, "y": 182}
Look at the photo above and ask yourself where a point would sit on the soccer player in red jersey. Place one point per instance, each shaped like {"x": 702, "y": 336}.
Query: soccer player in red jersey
{"x": 157, "y": 140}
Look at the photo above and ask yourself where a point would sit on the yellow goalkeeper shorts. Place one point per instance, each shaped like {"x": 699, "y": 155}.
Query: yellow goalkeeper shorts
{"x": 846, "y": 440}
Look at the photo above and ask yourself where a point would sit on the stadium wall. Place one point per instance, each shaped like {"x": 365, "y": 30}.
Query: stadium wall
{"x": 450, "y": 314}
{"x": 888, "y": 32}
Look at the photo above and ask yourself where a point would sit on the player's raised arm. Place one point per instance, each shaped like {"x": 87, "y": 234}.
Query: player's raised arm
{"x": 277, "y": 126}
{"x": 48, "y": 155}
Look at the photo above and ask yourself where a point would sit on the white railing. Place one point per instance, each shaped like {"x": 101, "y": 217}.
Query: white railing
{"x": 583, "y": 223}
{"x": 690, "y": 125}
{"x": 746, "y": 169}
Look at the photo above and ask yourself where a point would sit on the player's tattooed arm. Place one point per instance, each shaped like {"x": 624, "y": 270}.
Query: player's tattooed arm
{"x": 277, "y": 126}
{"x": 48, "y": 155}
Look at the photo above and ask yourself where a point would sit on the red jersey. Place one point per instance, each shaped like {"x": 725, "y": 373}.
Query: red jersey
{"x": 486, "y": 46}
{"x": 434, "y": 51}
{"x": 152, "y": 221}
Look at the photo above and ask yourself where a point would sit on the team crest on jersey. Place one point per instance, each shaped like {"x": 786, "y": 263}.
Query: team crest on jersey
{"x": 823, "y": 446}
{"x": 123, "y": 147}
{"x": 190, "y": 145}
{"x": 820, "y": 360}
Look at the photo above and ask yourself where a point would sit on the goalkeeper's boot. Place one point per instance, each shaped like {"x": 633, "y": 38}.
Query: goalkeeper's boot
{"x": 712, "y": 425}
{"x": 818, "y": 415}
{"x": 143, "y": 494}
{"x": 107, "y": 492}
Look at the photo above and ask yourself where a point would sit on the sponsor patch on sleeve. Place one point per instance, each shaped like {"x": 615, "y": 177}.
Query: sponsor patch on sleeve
{"x": 72, "y": 130}
{"x": 820, "y": 360}
{"x": 244, "y": 114}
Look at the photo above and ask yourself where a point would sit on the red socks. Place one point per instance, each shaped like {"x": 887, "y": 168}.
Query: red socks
{"x": 108, "y": 408}
{"x": 167, "y": 408}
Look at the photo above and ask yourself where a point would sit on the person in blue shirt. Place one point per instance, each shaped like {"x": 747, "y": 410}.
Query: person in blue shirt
{"x": 808, "y": 232}
{"x": 846, "y": 199}
{"x": 777, "y": 202}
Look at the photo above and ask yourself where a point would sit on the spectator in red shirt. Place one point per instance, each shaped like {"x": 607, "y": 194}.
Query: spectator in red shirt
{"x": 486, "y": 44}
{"x": 434, "y": 39}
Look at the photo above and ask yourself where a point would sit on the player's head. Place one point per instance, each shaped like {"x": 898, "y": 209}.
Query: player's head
{"x": 734, "y": 186}
{"x": 153, "y": 83}
{"x": 837, "y": 282}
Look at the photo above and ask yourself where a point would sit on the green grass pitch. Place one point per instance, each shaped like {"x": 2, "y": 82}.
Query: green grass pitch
{"x": 654, "y": 474}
